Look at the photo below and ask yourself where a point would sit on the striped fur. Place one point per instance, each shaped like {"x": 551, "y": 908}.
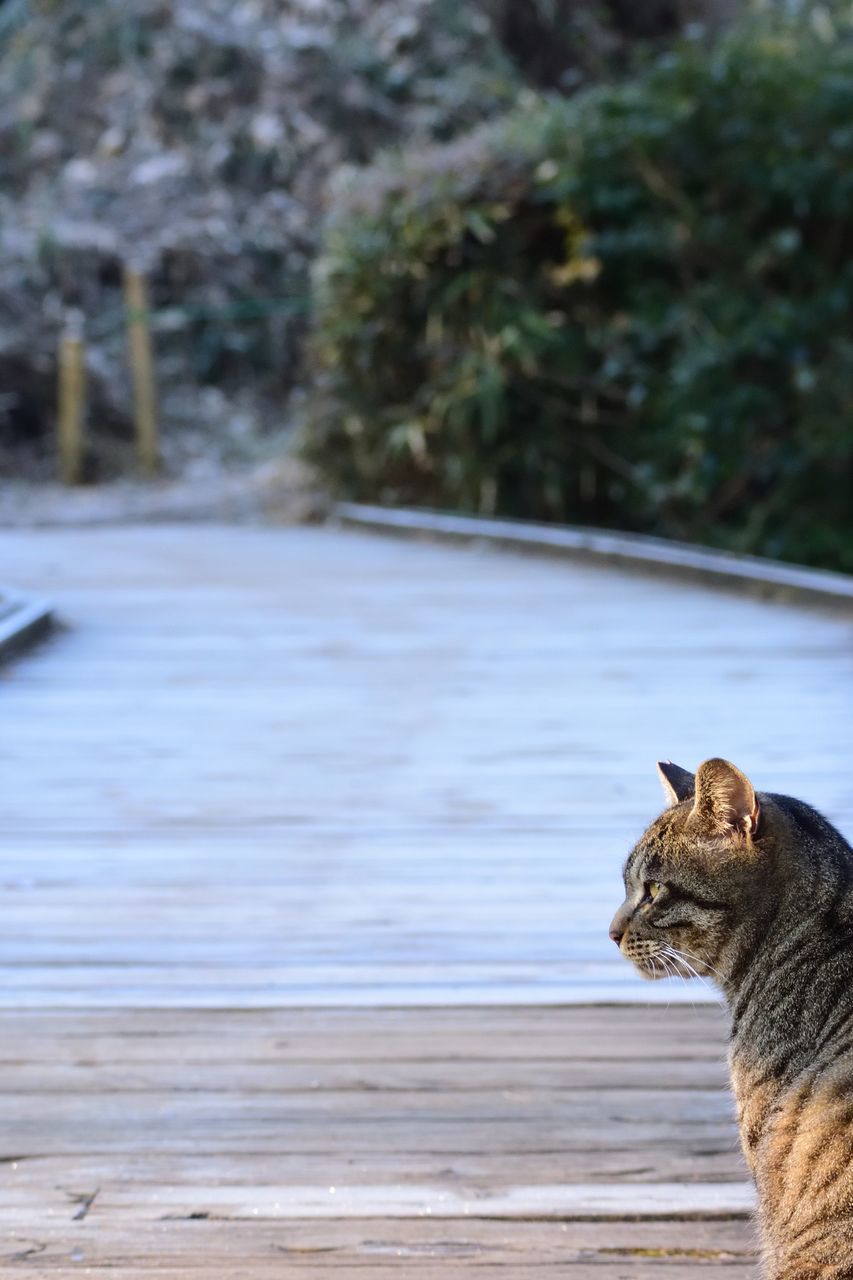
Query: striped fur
{"x": 755, "y": 892}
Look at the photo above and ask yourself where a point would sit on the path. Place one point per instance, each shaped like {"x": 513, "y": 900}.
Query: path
{"x": 302, "y": 766}
{"x": 499, "y": 1144}
{"x": 269, "y": 771}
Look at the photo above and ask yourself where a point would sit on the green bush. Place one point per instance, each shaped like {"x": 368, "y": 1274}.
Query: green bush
{"x": 632, "y": 308}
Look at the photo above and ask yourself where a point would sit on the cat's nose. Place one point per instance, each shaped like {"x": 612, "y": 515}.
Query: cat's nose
{"x": 619, "y": 924}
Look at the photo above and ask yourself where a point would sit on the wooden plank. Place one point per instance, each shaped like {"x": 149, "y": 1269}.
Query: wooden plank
{"x": 318, "y": 986}
{"x": 281, "y": 1079}
{"x": 133, "y": 1205}
{"x": 101, "y": 1132}
{"x": 425, "y": 1269}
{"x": 172, "y": 1247}
{"x": 565, "y": 1038}
{"x": 562, "y": 1202}
{"x": 481, "y": 1237}
{"x": 563, "y": 1030}
{"x": 483, "y": 1165}
{"x": 524, "y": 1102}
{"x": 512, "y": 1144}
{"x": 684, "y": 1162}
{"x": 384, "y": 1260}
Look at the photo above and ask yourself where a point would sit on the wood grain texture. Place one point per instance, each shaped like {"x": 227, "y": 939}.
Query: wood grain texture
{"x": 133, "y": 1143}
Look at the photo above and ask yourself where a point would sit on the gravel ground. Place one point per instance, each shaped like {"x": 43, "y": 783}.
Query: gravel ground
{"x": 284, "y": 492}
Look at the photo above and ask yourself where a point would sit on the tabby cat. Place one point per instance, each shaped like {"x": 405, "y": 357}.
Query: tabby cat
{"x": 756, "y": 892}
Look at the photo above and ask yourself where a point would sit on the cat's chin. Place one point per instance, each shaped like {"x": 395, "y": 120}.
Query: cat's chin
{"x": 651, "y": 974}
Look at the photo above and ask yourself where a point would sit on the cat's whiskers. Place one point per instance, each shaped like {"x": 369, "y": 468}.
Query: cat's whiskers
{"x": 671, "y": 971}
{"x": 688, "y": 955}
{"x": 667, "y": 965}
{"x": 668, "y": 971}
{"x": 682, "y": 959}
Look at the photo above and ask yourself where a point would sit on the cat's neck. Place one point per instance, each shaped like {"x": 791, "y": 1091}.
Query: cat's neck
{"x": 793, "y": 995}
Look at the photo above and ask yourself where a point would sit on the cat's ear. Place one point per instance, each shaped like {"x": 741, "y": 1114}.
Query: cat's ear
{"x": 725, "y": 799}
{"x": 678, "y": 784}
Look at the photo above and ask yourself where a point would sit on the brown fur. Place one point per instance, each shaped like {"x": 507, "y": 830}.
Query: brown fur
{"x": 756, "y": 892}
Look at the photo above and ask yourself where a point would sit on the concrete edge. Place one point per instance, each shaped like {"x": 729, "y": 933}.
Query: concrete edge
{"x": 26, "y": 621}
{"x": 750, "y": 574}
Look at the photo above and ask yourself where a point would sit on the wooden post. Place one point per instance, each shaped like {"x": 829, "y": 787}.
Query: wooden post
{"x": 71, "y": 399}
{"x": 587, "y": 478}
{"x": 142, "y": 370}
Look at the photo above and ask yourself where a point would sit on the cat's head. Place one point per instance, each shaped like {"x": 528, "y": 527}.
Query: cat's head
{"x": 696, "y": 880}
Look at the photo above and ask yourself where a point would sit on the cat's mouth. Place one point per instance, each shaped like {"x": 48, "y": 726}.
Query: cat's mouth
{"x": 663, "y": 962}
{"x": 651, "y": 968}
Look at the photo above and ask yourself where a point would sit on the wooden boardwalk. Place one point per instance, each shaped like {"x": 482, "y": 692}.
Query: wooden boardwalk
{"x": 356, "y": 1143}
{"x": 306, "y": 835}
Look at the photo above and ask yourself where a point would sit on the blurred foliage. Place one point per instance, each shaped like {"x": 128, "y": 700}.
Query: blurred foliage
{"x": 630, "y": 308}
{"x": 563, "y": 44}
{"x": 196, "y": 137}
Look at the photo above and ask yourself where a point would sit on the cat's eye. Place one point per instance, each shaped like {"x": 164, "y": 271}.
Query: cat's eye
{"x": 653, "y": 888}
